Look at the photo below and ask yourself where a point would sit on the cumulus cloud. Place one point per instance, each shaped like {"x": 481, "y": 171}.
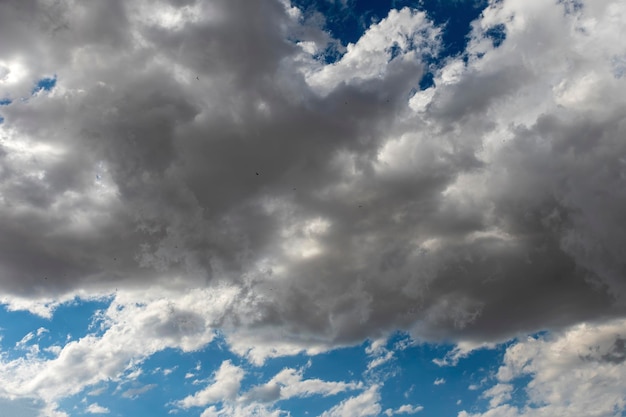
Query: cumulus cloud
{"x": 289, "y": 383}
{"x": 365, "y": 404}
{"x": 97, "y": 409}
{"x": 225, "y": 390}
{"x": 130, "y": 333}
{"x": 226, "y": 383}
{"x": 574, "y": 372}
{"x": 195, "y": 151}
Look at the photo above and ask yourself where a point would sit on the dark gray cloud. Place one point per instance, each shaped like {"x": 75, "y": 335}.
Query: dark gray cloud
{"x": 191, "y": 144}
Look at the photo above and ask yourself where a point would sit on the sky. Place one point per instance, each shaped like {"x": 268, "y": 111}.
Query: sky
{"x": 333, "y": 208}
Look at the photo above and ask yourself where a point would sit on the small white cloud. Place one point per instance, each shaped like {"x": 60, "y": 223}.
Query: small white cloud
{"x": 409, "y": 409}
{"x": 498, "y": 394}
{"x": 290, "y": 383}
{"x": 97, "y": 391}
{"x": 135, "y": 392}
{"x": 460, "y": 351}
{"x": 225, "y": 386}
{"x": 27, "y": 338}
{"x": 376, "y": 362}
{"x": 365, "y": 404}
{"x": 168, "y": 371}
{"x": 439, "y": 381}
{"x": 404, "y": 409}
{"x": 97, "y": 409}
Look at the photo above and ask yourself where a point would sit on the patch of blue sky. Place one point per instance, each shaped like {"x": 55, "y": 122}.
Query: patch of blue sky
{"x": 4, "y": 102}
{"x": 148, "y": 394}
{"x": 414, "y": 383}
{"x": 340, "y": 365}
{"x": 619, "y": 66}
{"x": 497, "y": 34}
{"x": 14, "y": 326}
{"x": 74, "y": 319}
{"x": 348, "y": 20}
{"x": 45, "y": 84}
{"x": 70, "y": 321}
{"x": 519, "y": 396}
{"x": 353, "y": 362}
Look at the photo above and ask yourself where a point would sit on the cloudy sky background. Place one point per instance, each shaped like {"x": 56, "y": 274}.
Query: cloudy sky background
{"x": 236, "y": 208}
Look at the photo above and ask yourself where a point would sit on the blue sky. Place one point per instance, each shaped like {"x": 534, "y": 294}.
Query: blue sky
{"x": 331, "y": 208}
{"x": 407, "y": 373}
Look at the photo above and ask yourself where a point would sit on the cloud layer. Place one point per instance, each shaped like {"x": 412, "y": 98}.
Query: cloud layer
{"x": 204, "y": 160}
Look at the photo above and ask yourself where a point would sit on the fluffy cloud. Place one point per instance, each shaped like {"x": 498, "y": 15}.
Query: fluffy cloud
{"x": 126, "y": 334}
{"x": 225, "y": 387}
{"x": 194, "y": 145}
{"x": 365, "y": 404}
{"x": 97, "y": 409}
{"x": 578, "y": 371}
{"x": 289, "y": 383}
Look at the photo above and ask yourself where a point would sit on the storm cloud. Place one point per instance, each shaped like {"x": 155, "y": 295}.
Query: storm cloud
{"x": 210, "y": 150}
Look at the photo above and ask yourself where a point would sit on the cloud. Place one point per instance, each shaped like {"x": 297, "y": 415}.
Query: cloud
{"x": 379, "y": 354}
{"x": 461, "y": 350}
{"x": 365, "y": 404}
{"x": 97, "y": 409}
{"x": 577, "y": 371}
{"x": 404, "y": 409}
{"x": 135, "y": 392}
{"x": 130, "y": 333}
{"x": 439, "y": 381}
{"x": 226, "y": 383}
{"x": 241, "y": 411}
{"x": 498, "y": 394}
{"x": 477, "y": 210}
{"x": 258, "y": 400}
{"x": 289, "y": 383}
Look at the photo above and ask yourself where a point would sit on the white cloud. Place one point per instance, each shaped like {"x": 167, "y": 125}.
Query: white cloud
{"x": 498, "y": 394}
{"x": 290, "y": 383}
{"x": 287, "y": 384}
{"x": 255, "y": 410}
{"x": 364, "y": 404}
{"x": 132, "y": 332}
{"x": 404, "y": 409}
{"x": 461, "y": 350}
{"x": 168, "y": 371}
{"x": 97, "y": 409}
{"x": 225, "y": 386}
{"x": 439, "y": 381}
{"x": 133, "y": 393}
{"x": 379, "y": 354}
{"x": 369, "y": 58}
{"x": 575, "y": 372}
{"x": 376, "y": 362}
